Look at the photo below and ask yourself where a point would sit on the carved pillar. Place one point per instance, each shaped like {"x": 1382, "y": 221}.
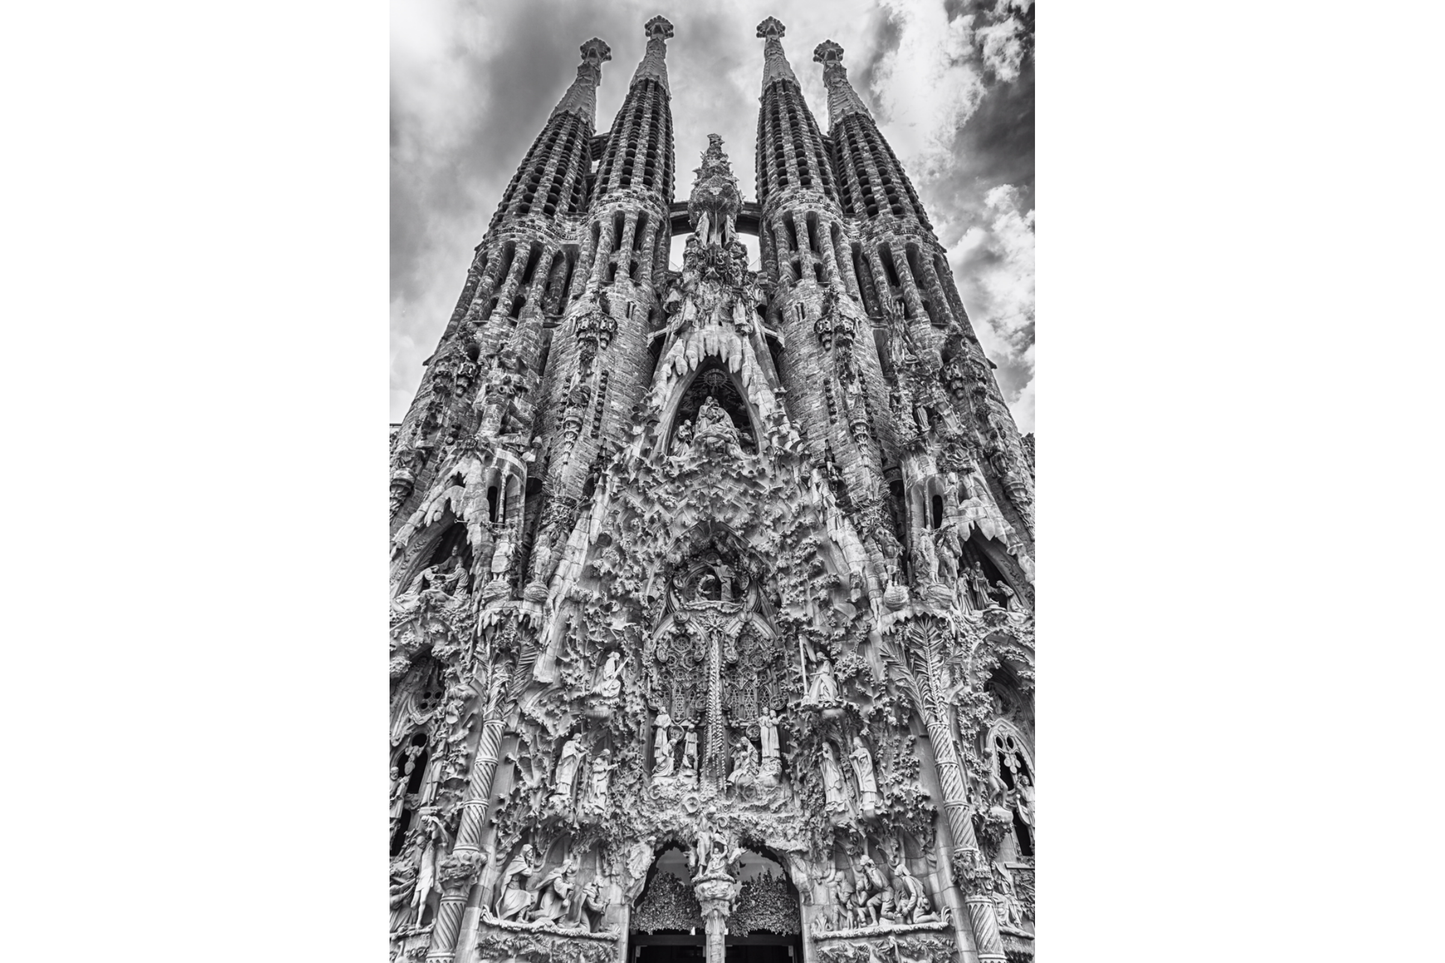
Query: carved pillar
{"x": 985, "y": 925}
{"x": 715, "y": 895}
{"x": 457, "y": 873}
{"x": 467, "y": 858}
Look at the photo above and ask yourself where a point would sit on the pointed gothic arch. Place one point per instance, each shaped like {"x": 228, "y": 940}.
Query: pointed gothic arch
{"x": 712, "y": 379}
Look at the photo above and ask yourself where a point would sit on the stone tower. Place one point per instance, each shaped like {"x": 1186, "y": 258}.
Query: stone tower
{"x": 712, "y": 589}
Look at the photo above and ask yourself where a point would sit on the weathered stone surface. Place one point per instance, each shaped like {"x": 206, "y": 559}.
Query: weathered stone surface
{"x": 712, "y": 598}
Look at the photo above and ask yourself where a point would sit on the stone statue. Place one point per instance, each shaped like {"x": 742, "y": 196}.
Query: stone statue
{"x": 834, "y": 789}
{"x": 433, "y": 849}
{"x": 867, "y": 781}
{"x": 1010, "y": 597}
{"x": 1025, "y": 800}
{"x": 871, "y": 887}
{"x": 398, "y": 796}
{"x": 913, "y": 902}
{"x": 593, "y": 906}
{"x": 600, "y": 779}
{"x": 554, "y": 894}
{"x": 824, "y": 686}
{"x": 514, "y": 899}
{"x": 564, "y": 784}
{"x": 663, "y": 759}
{"x": 978, "y": 582}
{"x": 948, "y": 549}
{"x": 689, "y": 749}
{"x": 609, "y": 680}
{"x": 745, "y": 763}
{"x": 639, "y": 857}
{"x": 772, "y": 763}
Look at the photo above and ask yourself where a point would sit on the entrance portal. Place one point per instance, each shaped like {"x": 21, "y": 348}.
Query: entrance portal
{"x": 740, "y": 949}
{"x": 764, "y": 926}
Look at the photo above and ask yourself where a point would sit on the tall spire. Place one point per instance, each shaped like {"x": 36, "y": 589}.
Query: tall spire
{"x": 775, "y": 62}
{"x": 581, "y": 97}
{"x": 842, "y": 98}
{"x": 654, "y": 62}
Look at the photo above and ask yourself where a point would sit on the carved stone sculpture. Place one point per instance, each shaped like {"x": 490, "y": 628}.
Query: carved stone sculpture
{"x": 867, "y": 779}
{"x": 514, "y": 900}
{"x": 722, "y": 562}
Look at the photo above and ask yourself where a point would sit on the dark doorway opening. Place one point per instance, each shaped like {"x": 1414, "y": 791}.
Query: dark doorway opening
{"x": 681, "y": 948}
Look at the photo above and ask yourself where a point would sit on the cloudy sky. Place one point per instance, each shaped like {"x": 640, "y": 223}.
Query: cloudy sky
{"x": 950, "y": 82}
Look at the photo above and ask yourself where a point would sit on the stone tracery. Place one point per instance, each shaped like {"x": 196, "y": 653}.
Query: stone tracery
{"x": 713, "y": 572}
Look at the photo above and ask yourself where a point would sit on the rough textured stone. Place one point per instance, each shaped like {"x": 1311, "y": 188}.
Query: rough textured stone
{"x": 712, "y": 588}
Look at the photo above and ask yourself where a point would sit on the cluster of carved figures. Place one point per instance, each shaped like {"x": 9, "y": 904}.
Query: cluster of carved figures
{"x": 720, "y": 669}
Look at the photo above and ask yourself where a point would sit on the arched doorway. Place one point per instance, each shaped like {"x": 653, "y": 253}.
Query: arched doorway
{"x": 765, "y": 925}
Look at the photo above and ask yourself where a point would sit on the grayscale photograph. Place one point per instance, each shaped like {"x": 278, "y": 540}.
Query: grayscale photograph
{"x": 712, "y": 491}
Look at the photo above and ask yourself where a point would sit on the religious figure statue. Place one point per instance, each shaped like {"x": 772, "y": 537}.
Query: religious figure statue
{"x": 745, "y": 763}
{"x": 1024, "y": 791}
{"x": 689, "y": 749}
{"x": 601, "y": 777}
{"x": 871, "y": 887}
{"x": 609, "y": 679}
{"x": 593, "y": 906}
{"x": 432, "y": 778}
{"x": 564, "y": 778}
{"x": 1010, "y": 597}
{"x": 639, "y": 857}
{"x": 772, "y": 763}
{"x": 947, "y": 549}
{"x": 867, "y": 781}
{"x": 555, "y": 892}
{"x": 834, "y": 789}
{"x": 824, "y": 686}
{"x": 514, "y": 899}
{"x": 978, "y": 583}
{"x": 925, "y": 559}
{"x": 996, "y": 787}
{"x": 398, "y": 796}
{"x": 433, "y": 849}
{"x": 663, "y": 759}
{"x": 913, "y": 902}
{"x": 1005, "y": 898}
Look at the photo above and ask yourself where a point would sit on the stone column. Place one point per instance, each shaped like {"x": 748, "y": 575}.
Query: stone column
{"x": 457, "y": 873}
{"x": 982, "y": 915}
{"x": 715, "y": 894}
{"x": 466, "y": 859}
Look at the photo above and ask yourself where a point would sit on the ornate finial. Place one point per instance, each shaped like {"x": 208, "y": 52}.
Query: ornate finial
{"x": 775, "y": 62}
{"x": 828, "y": 52}
{"x": 654, "y": 63}
{"x": 771, "y": 29}
{"x": 581, "y": 97}
{"x": 596, "y": 52}
{"x": 842, "y": 98}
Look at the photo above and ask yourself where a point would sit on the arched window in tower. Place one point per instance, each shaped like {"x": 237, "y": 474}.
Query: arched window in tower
{"x": 935, "y": 506}
{"x": 885, "y": 255}
{"x": 494, "y": 498}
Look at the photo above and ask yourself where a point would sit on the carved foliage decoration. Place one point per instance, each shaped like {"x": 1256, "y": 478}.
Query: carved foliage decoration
{"x": 765, "y": 904}
{"x": 668, "y": 904}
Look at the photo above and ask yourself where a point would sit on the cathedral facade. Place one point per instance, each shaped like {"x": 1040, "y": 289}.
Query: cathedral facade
{"x": 712, "y": 590}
